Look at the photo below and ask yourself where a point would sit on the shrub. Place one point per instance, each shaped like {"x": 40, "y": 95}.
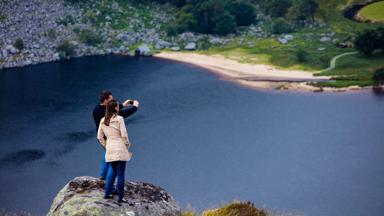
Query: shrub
{"x": 66, "y": 49}
{"x": 378, "y": 77}
{"x": 281, "y": 26}
{"x": 367, "y": 41}
{"x": 188, "y": 213}
{"x": 204, "y": 43}
{"x": 51, "y": 33}
{"x": 19, "y": 44}
{"x": 66, "y": 20}
{"x": 76, "y": 1}
{"x": 89, "y": 37}
{"x": 238, "y": 209}
{"x": 76, "y": 30}
{"x": 302, "y": 56}
{"x": 171, "y": 30}
{"x": 2, "y": 16}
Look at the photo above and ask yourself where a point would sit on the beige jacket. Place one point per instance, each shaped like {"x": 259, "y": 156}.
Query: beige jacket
{"x": 117, "y": 143}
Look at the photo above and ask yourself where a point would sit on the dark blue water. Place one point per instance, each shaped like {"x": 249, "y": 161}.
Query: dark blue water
{"x": 205, "y": 140}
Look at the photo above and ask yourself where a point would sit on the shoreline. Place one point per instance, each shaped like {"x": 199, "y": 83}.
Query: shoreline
{"x": 256, "y": 76}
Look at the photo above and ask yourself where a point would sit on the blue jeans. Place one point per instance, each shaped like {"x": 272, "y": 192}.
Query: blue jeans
{"x": 104, "y": 167}
{"x": 104, "y": 170}
{"x": 117, "y": 168}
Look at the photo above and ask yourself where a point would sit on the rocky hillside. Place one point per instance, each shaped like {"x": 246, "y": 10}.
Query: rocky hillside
{"x": 84, "y": 196}
{"x": 39, "y": 31}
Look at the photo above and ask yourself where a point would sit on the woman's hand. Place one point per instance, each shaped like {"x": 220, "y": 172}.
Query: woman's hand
{"x": 128, "y": 102}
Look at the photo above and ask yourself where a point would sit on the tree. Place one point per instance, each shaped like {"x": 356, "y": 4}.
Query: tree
{"x": 302, "y": 9}
{"x": 277, "y": 8}
{"x": 378, "y": 76}
{"x": 311, "y": 8}
{"x": 185, "y": 22}
{"x": 281, "y": 26}
{"x": 243, "y": 11}
{"x": 380, "y": 35}
{"x": 19, "y": 44}
{"x": 294, "y": 13}
{"x": 206, "y": 13}
{"x": 225, "y": 24}
{"x": 367, "y": 42}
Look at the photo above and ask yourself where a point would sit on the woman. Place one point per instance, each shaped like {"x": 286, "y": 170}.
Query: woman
{"x": 112, "y": 127}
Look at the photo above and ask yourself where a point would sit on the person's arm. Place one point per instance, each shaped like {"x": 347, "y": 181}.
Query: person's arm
{"x": 125, "y": 112}
{"x": 98, "y": 114}
{"x": 94, "y": 114}
{"x": 101, "y": 136}
{"x": 124, "y": 133}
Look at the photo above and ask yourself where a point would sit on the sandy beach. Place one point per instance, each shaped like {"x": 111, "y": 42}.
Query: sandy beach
{"x": 258, "y": 76}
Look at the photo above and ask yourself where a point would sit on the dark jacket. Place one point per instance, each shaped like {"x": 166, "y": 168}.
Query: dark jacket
{"x": 99, "y": 113}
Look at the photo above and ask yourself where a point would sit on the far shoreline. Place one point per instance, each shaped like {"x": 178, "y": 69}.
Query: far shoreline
{"x": 256, "y": 76}
{"x": 285, "y": 80}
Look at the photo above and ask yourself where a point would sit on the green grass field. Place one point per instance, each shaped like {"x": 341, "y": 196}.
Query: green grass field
{"x": 354, "y": 70}
{"x": 373, "y": 12}
{"x": 350, "y": 70}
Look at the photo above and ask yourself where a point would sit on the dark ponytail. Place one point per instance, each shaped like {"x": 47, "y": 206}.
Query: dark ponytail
{"x": 110, "y": 111}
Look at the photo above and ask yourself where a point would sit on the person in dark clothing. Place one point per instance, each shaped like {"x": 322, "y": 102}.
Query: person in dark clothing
{"x": 126, "y": 109}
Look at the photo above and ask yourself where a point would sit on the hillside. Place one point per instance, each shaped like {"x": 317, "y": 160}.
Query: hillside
{"x": 54, "y": 30}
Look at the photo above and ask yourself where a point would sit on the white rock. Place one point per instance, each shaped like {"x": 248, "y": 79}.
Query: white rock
{"x": 282, "y": 40}
{"x": 56, "y": 56}
{"x": 11, "y": 49}
{"x": 321, "y": 49}
{"x": 288, "y": 37}
{"x": 144, "y": 50}
{"x": 188, "y": 36}
{"x": 216, "y": 41}
{"x": 325, "y": 39}
{"x": 190, "y": 46}
{"x": 176, "y": 48}
{"x": 162, "y": 44}
{"x": 4, "y": 53}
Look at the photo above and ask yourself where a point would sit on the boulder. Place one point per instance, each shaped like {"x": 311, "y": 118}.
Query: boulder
{"x": 162, "y": 44}
{"x": 282, "y": 40}
{"x": 190, "y": 46}
{"x": 215, "y": 41}
{"x": 188, "y": 36}
{"x": 115, "y": 6}
{"x": 175, "y": 48}
{"x": 144, "y": 50}
{"x": 84, "y": 196}
{"x": 325, "y": 39}
{"x": 11, "y": 49}
{"x": 288, "y": 37}
{"x": 4, "y": 53}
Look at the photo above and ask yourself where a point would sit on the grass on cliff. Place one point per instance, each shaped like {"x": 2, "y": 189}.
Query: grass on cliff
{"x": 373, "y": 12}
{"x": 233, "y": 209}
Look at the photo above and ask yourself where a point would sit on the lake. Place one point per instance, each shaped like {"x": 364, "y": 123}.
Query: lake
{"x": 205, "y": 140}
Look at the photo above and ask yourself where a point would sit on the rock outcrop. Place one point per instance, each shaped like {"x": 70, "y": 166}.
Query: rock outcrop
{"x": 84, "y": 196}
